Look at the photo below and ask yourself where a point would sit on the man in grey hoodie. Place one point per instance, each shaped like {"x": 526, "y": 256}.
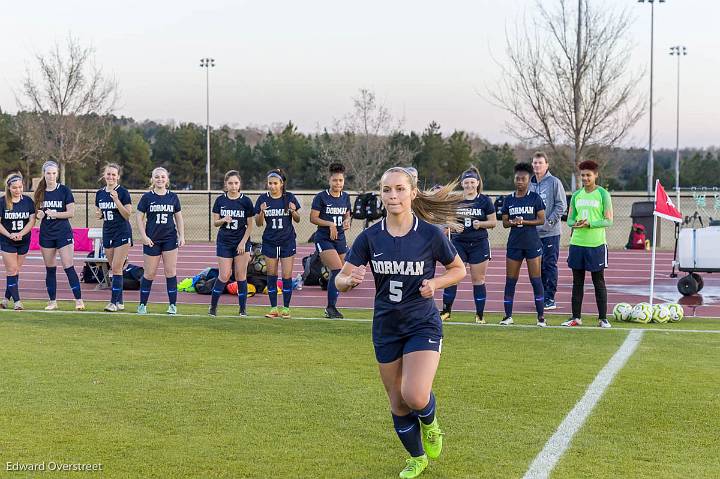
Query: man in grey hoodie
{"x": 552, "y": 192}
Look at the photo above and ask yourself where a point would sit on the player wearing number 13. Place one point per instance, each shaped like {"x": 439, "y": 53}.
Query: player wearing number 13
{"x": 407, "y": 331}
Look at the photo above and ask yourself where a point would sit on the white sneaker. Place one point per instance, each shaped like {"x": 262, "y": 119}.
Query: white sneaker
{"x": 18, "y": 306}
{"x": 603, "y": 323}
{"x": 541, "y": 323}
{"x": 120, "y": 306}
{"x": 573, "y": 322}
{"x": 111, "y": 307}
{"x": 51, "y": 306}
{"x": 4, "y": 303}
{"x": 79, "y": 305}
{"x": 506, "y": 321}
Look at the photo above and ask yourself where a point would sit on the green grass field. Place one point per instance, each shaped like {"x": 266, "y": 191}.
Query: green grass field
{"x": 191, "y": 396}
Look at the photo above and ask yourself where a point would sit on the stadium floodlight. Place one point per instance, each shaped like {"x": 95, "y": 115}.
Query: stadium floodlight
{"x": 207, "y": 63}
{"x": 678, "y": 51}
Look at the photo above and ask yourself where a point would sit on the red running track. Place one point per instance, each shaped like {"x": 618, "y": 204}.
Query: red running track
{"x": 627, "y": 280}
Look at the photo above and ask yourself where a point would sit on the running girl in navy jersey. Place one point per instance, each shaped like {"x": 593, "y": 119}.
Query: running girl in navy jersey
{"x": 55, "y": 206}
{"x": 331, "y": 211}
{"x": 231, "y": 213}
{"x": 522, "y": 211}
{"x": 114, "y": 207}
{"x": 477, "y": 214}
{"x": 407, "y": 331}
{"x": 163, "y": 231}
{"x": 17, "y": 215}
{"x": 278, "y": 208}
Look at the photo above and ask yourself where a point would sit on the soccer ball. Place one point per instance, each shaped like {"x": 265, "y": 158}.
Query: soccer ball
{"x": 642, "y": 313}
{"x": 676, "y": 312}
{"x": 259, "y": 265}
{"x": 324, "y": 273}
{"x": 622, "y": 311}
{"x": 661, "y": 313}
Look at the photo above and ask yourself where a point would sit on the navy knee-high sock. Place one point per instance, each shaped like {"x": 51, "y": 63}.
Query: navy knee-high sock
{"x": 509, "y": 295}
{"x": 145, "y": 287}
{"x": 171, "y": 284}
{"x": 539, "y": 294}
{"x": 287, "y": 291}
{"x": 332, "y": 292}
{"x": 117, "y": 287}
{"x": 12, "y": 284}
{"x": 427, "y": 414}
{"x": 120, "y": 293}
{"x": 7, "y": 291}
{"x": 74, "y": 281}
{"x": 272, "y": 290}
{"x": 480, "y": 295}
{"x": 408, "y": 430}
{"x": 242, "y": 294}
{"x": 51, "y": 281}
{"x": 449, "y": 294}
{"x": 217, "y": 290}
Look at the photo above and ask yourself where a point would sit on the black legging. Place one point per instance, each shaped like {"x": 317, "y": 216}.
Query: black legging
{"x": 598, "y": 278}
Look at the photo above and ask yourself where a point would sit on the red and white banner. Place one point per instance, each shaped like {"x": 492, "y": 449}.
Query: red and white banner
{"x": 664, "y": 207}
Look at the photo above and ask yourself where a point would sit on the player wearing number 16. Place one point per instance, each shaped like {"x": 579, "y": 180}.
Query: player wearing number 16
{"x": 278, "y": 209}
{"x": 162, "y": 229}
{"x": 407, "y": 331}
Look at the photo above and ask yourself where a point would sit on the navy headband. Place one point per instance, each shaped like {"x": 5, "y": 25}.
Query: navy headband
{"x": 13, "y": 178}
{"x": 470, "y": 174}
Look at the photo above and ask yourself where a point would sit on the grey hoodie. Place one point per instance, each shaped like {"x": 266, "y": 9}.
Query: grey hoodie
{"x": 552, "y": 193}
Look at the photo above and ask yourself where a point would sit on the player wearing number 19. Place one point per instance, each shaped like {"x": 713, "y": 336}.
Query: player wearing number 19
{"x": 231, "y": 213}
{"x": 162, "y": 235}
{"x": 114, "y": 207}
{"x": 278, "y": 208}
{"x": 407, "y": 331}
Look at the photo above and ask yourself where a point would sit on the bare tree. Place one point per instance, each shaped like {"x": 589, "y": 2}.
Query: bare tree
{"x": 567, "y": 80}
{"x": 362, "y": 141}
{"x": 67, "y": 112}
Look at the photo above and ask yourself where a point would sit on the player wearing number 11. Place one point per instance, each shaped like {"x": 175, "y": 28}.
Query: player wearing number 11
{"x": 407, "y": 331}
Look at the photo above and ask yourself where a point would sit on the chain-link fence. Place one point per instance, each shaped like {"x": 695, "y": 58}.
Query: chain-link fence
{"x": 197, "y": 205}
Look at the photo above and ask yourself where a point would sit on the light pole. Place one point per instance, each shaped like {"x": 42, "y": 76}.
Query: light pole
{"x": 207, "y": 63}
{"x": 651, "y": 160}
{"x": 678, "y": 51}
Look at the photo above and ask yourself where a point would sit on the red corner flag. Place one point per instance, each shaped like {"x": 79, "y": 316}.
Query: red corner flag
{"x": 664, "y": 207}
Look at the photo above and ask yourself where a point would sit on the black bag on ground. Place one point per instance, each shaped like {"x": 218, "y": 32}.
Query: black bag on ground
{"x": 259, "y": 281}
{"x": 374, "y": 209}
{"x": 132, "y": 274}
{"x": 92, "y": 272}
{"x": 205, "y": 285}
{"x": 359, "y": 205}
{"x": 499, "y": 201}
{"x": 312, "y": 269}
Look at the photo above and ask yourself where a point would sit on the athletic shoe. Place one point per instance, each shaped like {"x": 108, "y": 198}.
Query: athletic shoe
{"x": 274, "y": 313}
{"x": 18, "y": 306}
{"x": 445, "y": 313}
{"x": 479, "y": 320}
{"x": 51, "y": 306}
{"x": 120, "y": 306}
{"x": 415, "y": 466}
{"x": 550, "y": 304}
{"x": 142, "y": 309}
{"x": 212, "y": 311}
{"x": 172, "y": 309}
{"x": 111, "y": 307}
{"x": 432, "y": 438}
{"x": 285, "y": 314}
{"x": 541, "y": 323}
{"x": 242, "y": 313}
{"x": 4, "y": 303}
{"x": 603, "y": 323}
{"x": 506, "y": 321}
{"x": 333, "y": 313}
{"x": 79, "y": 305}
{"x": 573, "y": 322}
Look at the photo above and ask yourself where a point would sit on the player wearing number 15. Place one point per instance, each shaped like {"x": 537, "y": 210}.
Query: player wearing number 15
{"x": 407, "y": 331}
{"x": 278, "y": 208}
{"x": 162, "y": 235}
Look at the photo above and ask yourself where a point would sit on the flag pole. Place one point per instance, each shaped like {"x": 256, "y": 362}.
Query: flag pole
{"x": 652, "y": 263}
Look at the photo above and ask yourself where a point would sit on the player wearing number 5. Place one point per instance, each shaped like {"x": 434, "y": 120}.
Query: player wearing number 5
{"x": 113, "y": 206}
{"x": 278, "y": 208}
{"x": 231, "y": 213}
{"x": 163, "y": 231}
{"x": 407, "y": 331}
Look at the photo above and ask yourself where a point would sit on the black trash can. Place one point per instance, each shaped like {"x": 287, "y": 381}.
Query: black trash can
{"x": 642, "y": 213}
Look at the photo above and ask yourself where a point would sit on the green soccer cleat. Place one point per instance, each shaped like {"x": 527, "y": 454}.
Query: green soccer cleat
{"x": 172, "y": 309}
{"x": 415, "y": 466}
{"x": 274, "y": 313}
{"x": 142, "y": 309}
{"x": 432, "y": 438}
{"x": 285, "y": 314}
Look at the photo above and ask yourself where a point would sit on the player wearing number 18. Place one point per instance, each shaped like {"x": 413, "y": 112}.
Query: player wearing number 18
{"x": 278, "y": 208}
{"x": 162, "y": 229}
{"x": 407, "y": 331}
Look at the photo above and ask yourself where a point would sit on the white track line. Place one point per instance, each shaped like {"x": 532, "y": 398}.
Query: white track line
{"x": 556, "y": 446}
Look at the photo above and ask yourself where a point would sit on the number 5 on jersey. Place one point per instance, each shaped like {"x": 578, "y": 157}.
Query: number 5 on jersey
{"x": 395, "y": 291}
{"x": 161, "y": 219}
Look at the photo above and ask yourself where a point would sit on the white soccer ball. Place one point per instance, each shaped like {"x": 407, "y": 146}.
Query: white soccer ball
{"x": 622, "y": 311}
{"x": 642, "y": 313}
{"x": 676, "y": 312}
{"x": 661, "y": 313}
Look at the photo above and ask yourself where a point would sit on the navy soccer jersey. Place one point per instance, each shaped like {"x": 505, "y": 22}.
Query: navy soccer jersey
{"x": 470, "y": 210}
{"x": 159, "y": 212}
{"x": 399, "y": 265}
{"x": 279, "y": 229}
{"x": 114, "y": 225}
{"x": 16, "y": 219}
{"x": 523, "y": 237}
{"x": 240, "y": 210}
{"x": 58, "y": 200}
{"x": 333, "y": 209}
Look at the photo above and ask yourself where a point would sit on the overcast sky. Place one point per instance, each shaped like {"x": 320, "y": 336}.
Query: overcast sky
{"x": 304, "y": 61}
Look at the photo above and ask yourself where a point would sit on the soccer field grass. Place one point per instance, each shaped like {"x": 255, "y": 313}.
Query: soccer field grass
{"x": 191, "y": 396}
